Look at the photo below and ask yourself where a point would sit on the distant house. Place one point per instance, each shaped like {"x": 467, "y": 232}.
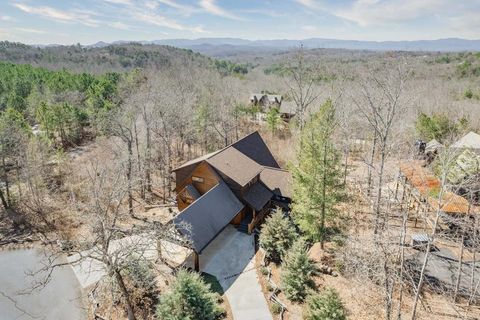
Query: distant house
{"x": 470, "y": 141}
{"x": 237, "y": 185}
{"x": 268, "y": 101}
{"x": 265, "y": 100}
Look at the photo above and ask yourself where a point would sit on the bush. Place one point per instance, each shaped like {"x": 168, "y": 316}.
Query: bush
{"x": 297, "y": 272}
{"x": 264, "y": 271}
{"x": 469, "y": 94}
{"x": 277, "y": 236}
{"x": 438, "y": 126}
{"x": 276, "y": 308}
{"x": 189, "y": 298}
{"x": 325, "y": 306}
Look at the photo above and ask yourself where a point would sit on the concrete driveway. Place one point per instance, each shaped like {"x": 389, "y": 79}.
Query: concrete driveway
{"x": 230, "y": 258}
{"x": 61, "y": 298}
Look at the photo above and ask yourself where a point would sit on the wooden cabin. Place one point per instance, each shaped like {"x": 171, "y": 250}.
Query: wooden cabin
{"x": 237, "y": 185}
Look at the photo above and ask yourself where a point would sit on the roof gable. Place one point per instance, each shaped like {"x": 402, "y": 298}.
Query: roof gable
{"x": 257, "y": 196}
{"x": 278, "y": 181}
{"x": 255, "y": 148}
{"x": 208, "y": 215}
{"x": 470, "y": 140}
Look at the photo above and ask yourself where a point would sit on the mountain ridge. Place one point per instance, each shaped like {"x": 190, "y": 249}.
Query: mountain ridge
{"x": 202, "y": 44}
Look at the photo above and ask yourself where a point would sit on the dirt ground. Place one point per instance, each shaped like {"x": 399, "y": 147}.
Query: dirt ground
{"x": 363, "y": 299}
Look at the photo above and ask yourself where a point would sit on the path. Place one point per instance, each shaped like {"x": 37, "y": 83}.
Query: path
{"x": 230, "y": 257}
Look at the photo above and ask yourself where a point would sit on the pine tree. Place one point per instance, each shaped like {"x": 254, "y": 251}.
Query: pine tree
{"x": 325, "y": 306}
{"x": 273, "y": 119}
{"x": 277, "y": 236}
{"x": 317, "y": 178}
{"x": 189, "y": 298}
{"x": 297, "y": 272}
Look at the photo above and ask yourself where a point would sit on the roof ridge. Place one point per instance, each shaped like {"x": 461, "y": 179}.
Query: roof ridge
{"x": 233, "y": 143}
{"x": 214, "y": 153}
{"x": 273, "y": 168}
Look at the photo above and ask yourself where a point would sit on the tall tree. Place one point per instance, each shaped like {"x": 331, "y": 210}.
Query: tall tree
{"x": 189, "y": 298}
{"x": 277, "y": 236}
{"x": 301, "y": 78}
{"x": 317, "y": 178}
{"x": 297, "y": 272}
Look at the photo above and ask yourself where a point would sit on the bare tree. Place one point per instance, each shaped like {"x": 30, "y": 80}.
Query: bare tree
{"x": 301, "y": 83}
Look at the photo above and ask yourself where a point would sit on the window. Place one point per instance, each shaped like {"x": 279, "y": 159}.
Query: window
{"x": 197, "y": 179}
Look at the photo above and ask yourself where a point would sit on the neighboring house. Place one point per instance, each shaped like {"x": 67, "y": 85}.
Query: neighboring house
{"x": 268, "y": 101}
{"x": 470, "y": 141}
{"x": 236, "y": 185}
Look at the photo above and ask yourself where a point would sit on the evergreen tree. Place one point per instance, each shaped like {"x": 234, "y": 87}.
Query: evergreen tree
{"x": 325, "y": 306}
{"x": 317, "y": 178}
{"x": 277, "y": 236}
{"x": 189, "y": 299}
{"x": 273, "y": 119}
{"x": 297, "y": 272}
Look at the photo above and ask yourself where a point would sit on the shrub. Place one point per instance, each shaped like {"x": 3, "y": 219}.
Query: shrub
{"x": 189, "y": 298}
{"x": 325, "y": 306}
{"x": 277, "y": 236}
{"x": 276, "y": 308}
{"x": 469, "y": 94}
{"x": 297, "y": 272}
{"x": 264, "y": 271}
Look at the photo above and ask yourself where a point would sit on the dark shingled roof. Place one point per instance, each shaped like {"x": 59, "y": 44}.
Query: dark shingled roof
{"x": 235, "y": 165}
{"x": 255, "y": 148}
{"x": 208, "y": 215}
{"x": 277, "y": 180}
{"x": 240, "y": 161}
{"x": 257, "y": 196}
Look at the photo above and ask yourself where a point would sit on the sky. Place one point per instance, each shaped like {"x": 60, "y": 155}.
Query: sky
{"x": 90, "y": 21}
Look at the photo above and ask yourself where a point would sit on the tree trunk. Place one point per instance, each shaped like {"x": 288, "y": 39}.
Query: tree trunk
{"x": 379, "y": 190}
{"x": 141, "y": 183}
{"x": 370, "y": 165}
{"x": 123, "y": 288}
{"x": 5, "y": 179}
{"x": 324, "y": 194}
{"x": 459, "y": 273}
{"x": 148, "y": 160}
{"x": 129, "y": 178}
{"x": 345, "y": 170}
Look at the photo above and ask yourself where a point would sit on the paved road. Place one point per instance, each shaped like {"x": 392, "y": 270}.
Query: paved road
{"x": 60, "y": 299}
{"x": 230, "y": 258}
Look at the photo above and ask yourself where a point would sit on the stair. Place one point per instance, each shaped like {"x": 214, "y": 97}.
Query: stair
{"x": 243, "y": 226}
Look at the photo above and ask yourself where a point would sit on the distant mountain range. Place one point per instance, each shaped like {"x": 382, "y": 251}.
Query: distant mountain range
{"x": 217, "y": 45}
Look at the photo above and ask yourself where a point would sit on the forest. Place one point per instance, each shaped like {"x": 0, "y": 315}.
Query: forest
{"x": 90, "y": 138}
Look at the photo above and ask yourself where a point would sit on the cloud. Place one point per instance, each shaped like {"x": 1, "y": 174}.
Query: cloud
{"x": 309, "y": 4}
{"x": 182, "y": 9}
{"x": 28, "y": 30}
{"x": 119, "y": 25}
{"x": 211, "y": 7}
{"x": 59, "y": 15}
{"x": 467, "y": 24}
{"x": 374, "y": 12}
{"x": 6, "y": 18}
{"x": 124, "y": 2}
{"x": 162, "y": 21}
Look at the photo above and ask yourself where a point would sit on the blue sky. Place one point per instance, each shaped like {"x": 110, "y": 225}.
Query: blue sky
{"x": 89, "y": 21}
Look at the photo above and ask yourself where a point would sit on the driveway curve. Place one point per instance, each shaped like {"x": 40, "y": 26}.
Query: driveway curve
{"x": 230, "y": 258}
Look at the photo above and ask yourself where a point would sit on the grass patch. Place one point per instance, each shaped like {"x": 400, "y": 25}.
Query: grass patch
{"x": 213, "y": 282}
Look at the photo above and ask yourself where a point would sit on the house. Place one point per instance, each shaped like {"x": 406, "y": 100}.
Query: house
{"x": 268, "y": 101}
{"x": 470, "y": 141}
{"x": 265, "y": 100}
{"x": 237, "y": 185}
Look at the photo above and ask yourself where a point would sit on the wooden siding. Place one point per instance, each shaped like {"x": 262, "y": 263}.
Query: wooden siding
{"x": 204, "y": 171}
